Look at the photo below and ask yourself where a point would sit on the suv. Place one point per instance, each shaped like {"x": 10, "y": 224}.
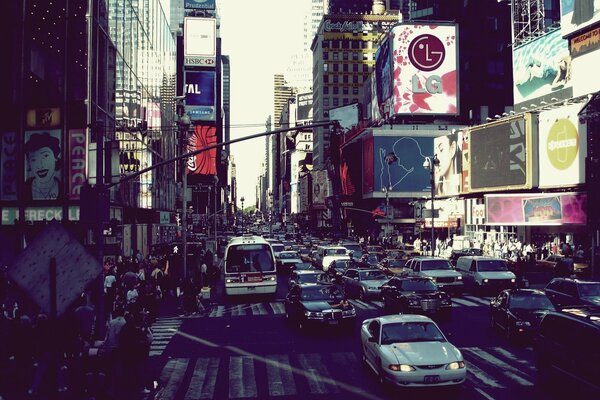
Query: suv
{"x": 566, "y": 346}
{"x": 438, "y": 269}
{"x": 564, "y": 292}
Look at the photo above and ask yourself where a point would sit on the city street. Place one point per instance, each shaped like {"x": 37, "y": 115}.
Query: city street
{"x": 247, "y": 349}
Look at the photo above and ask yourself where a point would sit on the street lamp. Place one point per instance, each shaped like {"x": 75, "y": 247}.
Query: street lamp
{"x": 184, "y": 123}
{"x": 430, "y": 164}
{"x": 387, "y": 190}
{"x": 242, "y": 200}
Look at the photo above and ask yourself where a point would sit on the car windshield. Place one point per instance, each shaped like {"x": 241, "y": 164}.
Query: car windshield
{"x": 492, "y": 265}
{"x": 309, "y": 278}
{"x": 395, "y": 264}
{"x": 535, "y": 302}
{"x": 341, "y": 265}
{"x": 421, "y": 285}
{"x": 303, "y": 266}
{"x": 335, "y": 252}
{"x": 285, "y": 255}
{"x": 401, "y": 332}
{"x": 371, "y": 275}
{"x": 277, "y": 247}
{"x": 372, "y": 257}
{"x": 589, "y": 289}
{"x": 432, "y": 265}
{"x": 321, "y": 293}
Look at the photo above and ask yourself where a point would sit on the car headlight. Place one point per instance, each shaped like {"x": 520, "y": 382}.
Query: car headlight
{"x": 523, "y": 323}
{"x": 401, "y": 368}
{"x": 446, "y": 301}
{"x": 456, "y": 365}
{"x": 350, "y": 312}
{"x": 513, "y": 280}
{"x": 413, "y": 302}
{"x": 486, "y": 280}
{"x": 313, "y": 314}
{"x": 459, "y": 278}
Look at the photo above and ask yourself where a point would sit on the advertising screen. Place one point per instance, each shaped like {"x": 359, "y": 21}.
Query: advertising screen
{"x": 536, "y": 209}
{"x": 304, "y": 107}
{"x": 398, "y": 164}
{"x": 576, "y": 15}
{"x": 199, "y": 41}
{"x": 542, "y": 67}
{"x": 499, "y": 156}
{"x": 203, "y": 163}
{"x": 348, "y": 116}
{"x": 424, "y": 69}
{"x": 350, "y": 170}
{"x": 43, "y": 165}
{"x": 200, "y": 95}
{"x": 368, "y": 165}
{"x": 320, "y": 189}
{"x": 448, "y": 172}
{"x": 8, "y": 165}
{"x": 383, "y": 72}
{"x": 562, "y": 147}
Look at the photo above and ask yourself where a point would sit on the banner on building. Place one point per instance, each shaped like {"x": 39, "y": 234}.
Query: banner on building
{"x": 77, "y": 162}
{"x": 9, "y": 149}
{"x": 368, "y": 165}
{"x": 562, "y": 147}
{"x": 577, "y": 15}
{"x": 448, "y": 172}
{"x": 500, "y": 155}
{"x": 304, "y": 110}
{"x": 200, "y": 95}
{"x": 536, "y": 209}
{"x": 43, "y": 165}
{"x": 203, "y": 163}
{"x": 43, "y": 118}
{"x": 320, "y": 189}
{"x": 199, "y": 41}
{"x": 199, "y": 4}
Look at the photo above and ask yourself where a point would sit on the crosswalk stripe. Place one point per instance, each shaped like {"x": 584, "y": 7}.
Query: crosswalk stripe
{"x": 512, "y": 357}
{"x": 507, "y": 370}
{"x": 237, "y": 311}
{"x": 172, "y": 374}
{"x": 258, "y": 309}
{"x": 242, "y": 382}
{"x": 217, "y": 312}
{"x": 361, "y": 304}
{"x": 465, "y": 303}
{"x": 279, "y": 374}
{"x": 277, "y": 307}
{"x": 202, "y": 385}
{"x": 319, "y": 380}
{"x": 378, "y": 304}
{"x": 482, "y": 377}
{"x": 478, "y": 300}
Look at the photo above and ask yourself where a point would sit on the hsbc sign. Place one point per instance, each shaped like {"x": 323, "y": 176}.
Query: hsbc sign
{"x": 191, "y": 61}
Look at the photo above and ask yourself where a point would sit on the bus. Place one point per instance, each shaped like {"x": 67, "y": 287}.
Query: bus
{"x": 249, "y": 266}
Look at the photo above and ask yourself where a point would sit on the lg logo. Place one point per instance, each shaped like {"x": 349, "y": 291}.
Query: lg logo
{"x": 426, "y": 52}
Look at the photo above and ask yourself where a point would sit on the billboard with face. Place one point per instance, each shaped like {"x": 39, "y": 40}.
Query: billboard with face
{"x": 43, "y": 163}
{"x": 424, "y": 69}
{"x": 536, "y": 209}
{"x": 562, "y": 147}
{"x": 499, "y": 155}
{"x": 399, "y": 164}
{"x": 448, "y": 172}
{"x": 542, "y": 67}
{"x": 576, "y": 15}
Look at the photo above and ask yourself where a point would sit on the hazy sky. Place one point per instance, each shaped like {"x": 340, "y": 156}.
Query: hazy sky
{"x": 260, "y": 37}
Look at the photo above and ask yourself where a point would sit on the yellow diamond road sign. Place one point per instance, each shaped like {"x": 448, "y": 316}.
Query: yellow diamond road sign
{"x": 76, "y": 268}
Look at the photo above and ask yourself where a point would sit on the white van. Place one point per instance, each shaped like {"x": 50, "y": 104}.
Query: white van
{"x": 485, "y": 274}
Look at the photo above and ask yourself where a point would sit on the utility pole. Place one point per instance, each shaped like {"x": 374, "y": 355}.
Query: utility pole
{"x": 184, "y": 123}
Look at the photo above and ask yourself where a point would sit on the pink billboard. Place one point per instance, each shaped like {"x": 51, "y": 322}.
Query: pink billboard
{"x": 536, "y": 209}
{"x": 424, "y": 70}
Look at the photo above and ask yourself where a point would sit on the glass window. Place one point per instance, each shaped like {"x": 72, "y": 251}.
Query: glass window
{"x": 345, "y": 66}
{"x": 346, "y": 101}
{"x": 336, "y": 90}
{"x": 345, "y": 90}
{"x": 325, "y": 89}
{"x": 325, "y": 55}
{"x": 336, "y": 102}
{"x": 336, "y": 55}
{"x": 354, "y": 67}
{"x": 326, "y": 102}
{"x": 325, "y": 67}
{"x": 355, "y": 91}
{"x": 345, "y": 55}
{"x": 410, "y": 332}
{"x": 335, "y": 79}
{"x": 336, "y": 67}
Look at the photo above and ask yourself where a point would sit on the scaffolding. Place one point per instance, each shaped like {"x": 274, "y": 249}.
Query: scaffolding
{"x": 527, "y": 19}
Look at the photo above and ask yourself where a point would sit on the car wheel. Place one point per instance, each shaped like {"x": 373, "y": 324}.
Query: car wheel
{"x": 362, "y": 295}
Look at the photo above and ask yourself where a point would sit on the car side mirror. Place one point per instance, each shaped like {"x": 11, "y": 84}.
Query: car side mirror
{"x": 373, "y": 339}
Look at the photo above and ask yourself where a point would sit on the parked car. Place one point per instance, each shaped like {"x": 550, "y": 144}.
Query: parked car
{"x": 415, "y": 295}
{"x": 286, "y": 260}
{"x": 318, "y": 305}
{"x": 392, "y": 266}
{"x": 471, "y": 251}
{"x": 549, "y": 262}
{"x": 566, "y": 352}
{"x": 301, "y": 277}
{"x": 411, "y": 351}
{"x": 363, "y": 283}
{"x": 567, "y": 292}
{"x": 440, "y": 270}
{"x": 518, "y": 312}
{"x": 485, "y": 274}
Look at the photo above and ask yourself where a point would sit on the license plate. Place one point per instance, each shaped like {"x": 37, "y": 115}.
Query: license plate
{"x": 333, "y": 322}
{"x": 251, "y": 288}
{"x": 432, "y": 378}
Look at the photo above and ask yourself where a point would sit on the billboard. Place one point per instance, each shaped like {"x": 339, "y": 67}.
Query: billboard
{"x": 9, "y": 148}
{"x": 199, "y": 41}
{"x": 204, "y": 163}
{"x": 562, "y": 147}
{"x": 348, "y": 115}
{"x": 304, "y": 110}
{"x": 199, "y": 4}
{"x": 536, "y": 209}
{"x": 320, "y": 189}
{"x": 383, "y": 72}
{"x": 77, "y": 162}
{"x": 43, "y": 165}
{"x": 424, "y": 69}
{"x": 199, "y": 90}
{"x": 542, "y": 67}
{"x": 368, "y": 165}
{"x": 500, "y": 155}
{"x": 350, "y": 169}
{"x": 576, "y": 15}
{"x": 399, "y": 164}
{"x": 448, "y": 172}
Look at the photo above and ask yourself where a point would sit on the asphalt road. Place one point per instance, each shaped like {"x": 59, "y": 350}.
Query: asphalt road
{"x": 245, "y": 348}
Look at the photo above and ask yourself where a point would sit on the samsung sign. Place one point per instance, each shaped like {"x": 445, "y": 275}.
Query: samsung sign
{"x": 199, "y": 4}
{"x": 200, "y": 95}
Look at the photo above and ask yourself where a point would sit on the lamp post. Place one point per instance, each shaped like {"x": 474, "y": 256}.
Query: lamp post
{"x": 430, "y": 164}
{"x": 386, "y": 190}
{"x": 270, "y": 194}
{"x": 184, "y": 125}
{"x": 242, "y": 200}
{"x": 215, "y": 217}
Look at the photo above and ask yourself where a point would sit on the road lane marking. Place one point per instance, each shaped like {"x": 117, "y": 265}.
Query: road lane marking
{"x": 482, "y": 377}
{"x": 465, "y": 303}
{"x": 479, "y": 300}
{"x": 484, "y": 394}
{"x": 512, "y": 357}
{"x": 202, "y": 385}
{"x": 277, "y": 307}
{"x": 172, "y": 374}
{"x": 507, "y": 370}
{"x": 315, "y": 371}
{"x": 217, "y": 312}
{"x": 362, "y": 304}
{"x": 242, "y": 382}
{"x": 281, "y": 380}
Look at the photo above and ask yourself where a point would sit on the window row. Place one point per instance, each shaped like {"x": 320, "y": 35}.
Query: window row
{"x": 356, "y": 79}
{"x": 356, "y": 56}
{"x": 349, "y": 44}
{"x": 335, "y": 102}
{"x": 334, "y": 67}
{"x": 336, "y": 90}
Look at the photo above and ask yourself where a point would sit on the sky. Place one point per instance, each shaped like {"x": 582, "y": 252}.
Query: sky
{"x": 256, "y": 36}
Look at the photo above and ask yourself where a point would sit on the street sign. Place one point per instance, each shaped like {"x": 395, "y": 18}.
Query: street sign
{"x": 75, "y": 268}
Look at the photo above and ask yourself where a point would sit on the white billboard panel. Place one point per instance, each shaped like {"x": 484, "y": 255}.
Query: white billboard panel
{"x": 199, "y": 41}
{"x": 562, "y": 147}
{"x": 425, "y": 73}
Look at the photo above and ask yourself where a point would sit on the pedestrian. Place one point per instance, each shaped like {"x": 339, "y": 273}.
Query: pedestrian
{"x": 134, "y": 347}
